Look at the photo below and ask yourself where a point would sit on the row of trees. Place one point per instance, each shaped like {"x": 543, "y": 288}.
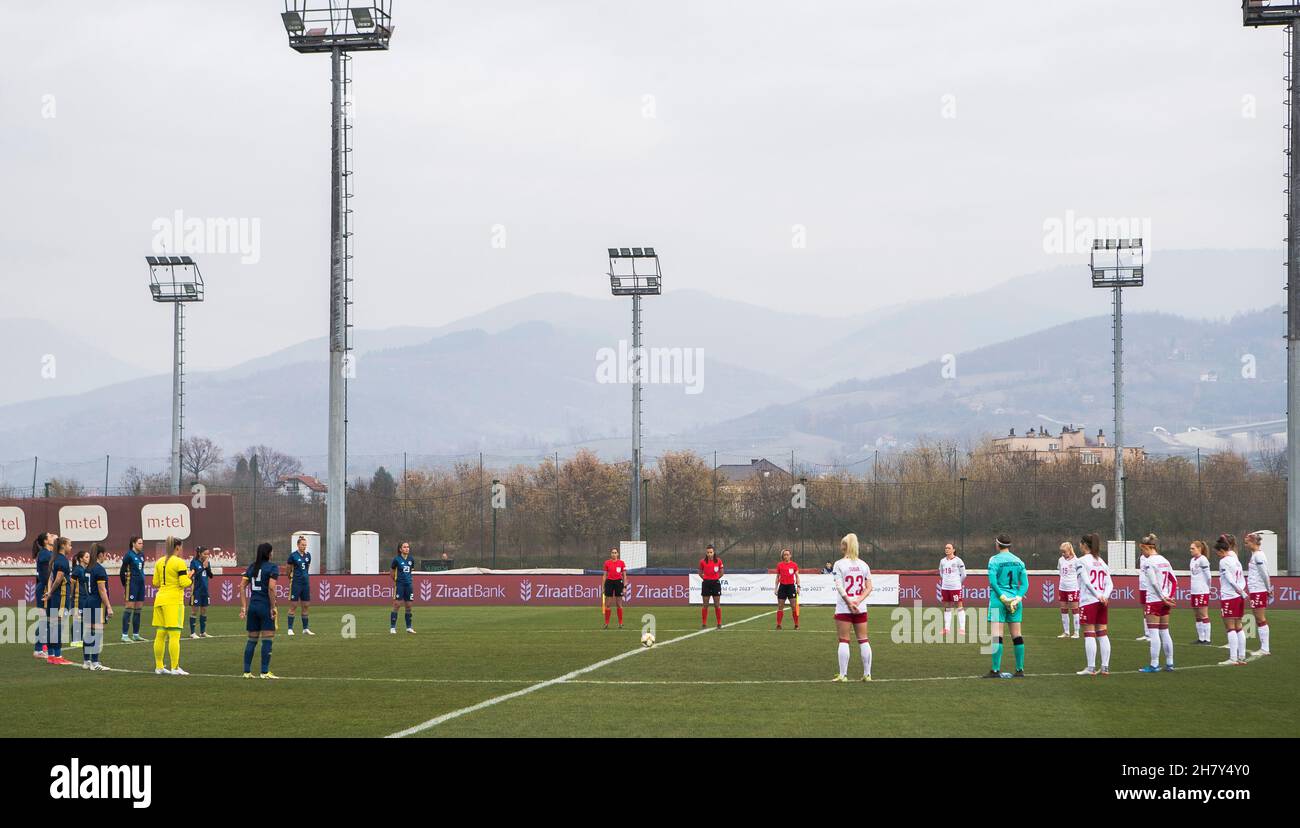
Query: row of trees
{"x": 904, "y": 506}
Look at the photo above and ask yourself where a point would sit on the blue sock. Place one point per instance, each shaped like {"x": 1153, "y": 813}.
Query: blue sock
{"x": 126, "y": 621}
{"x": 191, "y": 625}
{"x": 392, "y": 620}
{"x": 266, "y": 655}
{"x": 249, "y": 649}
{"x": 304, "y": 620}
{"x": 135, "y": 621}
{"x": 408, "y": 619}
{"x": 203, "y": 623}
{"x": 291, "y": 621}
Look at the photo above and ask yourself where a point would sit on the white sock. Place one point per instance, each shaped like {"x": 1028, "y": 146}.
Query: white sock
{"x": 1232, "y": 644}
{"x": 1076, "y": 623}
{"x": 844, "y": 658}
{"x": 961, "y": 621}
{"x": 1103, "y": 642}
{"x": 1090, "y": 650}
{"x": 865, "y": 648}
{"x": 1200, "y": 631}
{"x": 1168, "y": 641}
{"x": 1263, "y": 637}
{"x": 1153, "y": 639}
{"x": 947, "y": 619}
{"x": 1145, "y": 629}
{"x": 1065, "y": 622}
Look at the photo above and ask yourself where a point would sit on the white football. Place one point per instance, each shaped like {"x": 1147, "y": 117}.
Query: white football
{"x": 648, "y": 640}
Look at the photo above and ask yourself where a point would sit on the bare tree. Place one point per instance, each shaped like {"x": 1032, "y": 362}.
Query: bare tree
{"x": 137, "y": 482}
{"x": 198, "y": 454}
{"x": 272, "y": 464}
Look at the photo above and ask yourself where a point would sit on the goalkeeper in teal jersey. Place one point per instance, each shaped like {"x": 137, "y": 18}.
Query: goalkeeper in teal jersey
{"x": 1008, "y": 583}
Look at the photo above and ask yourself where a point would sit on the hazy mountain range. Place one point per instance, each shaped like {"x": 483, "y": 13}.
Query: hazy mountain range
{"x": 524, "y": 375}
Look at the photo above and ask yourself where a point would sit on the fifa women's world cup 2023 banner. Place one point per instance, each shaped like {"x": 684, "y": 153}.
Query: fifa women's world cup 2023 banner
{"x": 199, "y": 521}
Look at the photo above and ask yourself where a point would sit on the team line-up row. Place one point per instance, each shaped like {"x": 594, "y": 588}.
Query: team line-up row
{"x": 76, "y": 586}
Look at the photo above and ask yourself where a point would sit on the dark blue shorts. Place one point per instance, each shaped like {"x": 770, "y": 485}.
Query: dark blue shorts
{"x": 200, "y": 600}
{"x": 135, "y": 590}
{"x": 403, "y": 592}
{"x": 300, "y": 592}
{"x": 259, "y": 620}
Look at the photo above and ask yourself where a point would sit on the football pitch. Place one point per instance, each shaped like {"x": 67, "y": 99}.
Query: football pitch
{"x": 529, "y": 671}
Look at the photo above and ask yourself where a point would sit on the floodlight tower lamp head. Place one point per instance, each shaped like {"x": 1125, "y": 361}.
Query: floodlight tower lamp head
{"x": 624, "y": 277}
{"x": 326, "y": 25}
{"x": 174, "y": 279}
{"x": 1269, "y": 12}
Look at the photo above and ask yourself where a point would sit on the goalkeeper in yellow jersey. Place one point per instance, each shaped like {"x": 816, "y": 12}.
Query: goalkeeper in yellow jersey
{"x": 170, "y": 576}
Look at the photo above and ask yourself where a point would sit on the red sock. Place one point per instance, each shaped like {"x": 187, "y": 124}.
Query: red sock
{"x": 779, "y": 615}
{"x": 607, "y": 616}
{"x": 717, "y": 612}
{"x": 620, "y": 616}
{"x": 704, "y": 614}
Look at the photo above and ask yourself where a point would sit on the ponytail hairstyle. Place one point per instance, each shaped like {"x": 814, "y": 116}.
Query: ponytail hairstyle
{"x": 171, "y": 545}
{"x": 1229, "y": 542}
{"x": 1200, "y": 544}
{"x": 1068, "y": 546}
{"x": 130, "y": 545}
{"x": 849, "y": 546}
{"x": 61, "y": 542}
{"x": 96, "y": 552}
{"x": 39, "y": 544}
{"x": 85, "y": 553}
{"x": 1093, "y": 543}
{"x": 263, "y": 556}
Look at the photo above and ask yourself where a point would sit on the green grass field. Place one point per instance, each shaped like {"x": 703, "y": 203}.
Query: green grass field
{"x": 745, "y": 680}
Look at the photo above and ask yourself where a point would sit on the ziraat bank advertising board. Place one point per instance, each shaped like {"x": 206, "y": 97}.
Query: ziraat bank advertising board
{"x": 209, "y": 521}
{"x": 436, "y": 590}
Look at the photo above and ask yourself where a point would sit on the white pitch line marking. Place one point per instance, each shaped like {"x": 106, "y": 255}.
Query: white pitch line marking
{"x": 445, "y": 717}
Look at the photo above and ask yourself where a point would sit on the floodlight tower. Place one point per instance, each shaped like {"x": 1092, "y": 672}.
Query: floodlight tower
{"x": 336, "y": 28}
{"x": 1117, "y": 264}
{"x": 626, "y": 280}
{"x": 1277, "y": 13}
{"x": 177, "y": 280}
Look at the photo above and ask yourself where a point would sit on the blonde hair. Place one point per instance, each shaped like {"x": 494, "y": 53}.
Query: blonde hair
{"x": 1069, "y": 546}
{"x": 849, "y": 546}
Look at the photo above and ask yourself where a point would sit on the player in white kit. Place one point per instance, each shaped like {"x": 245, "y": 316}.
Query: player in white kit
{"x": 852, "y": 586}
{"x": 1067, "y": 590}
{"x": 1157, "y": 576}
{"x": 1095, "y": 587}
{"x": 1232, "y": 599}
{"x": 1199, "y": 584}
{"x": 1260, "y": 589}
{"x": 952, "y": 574}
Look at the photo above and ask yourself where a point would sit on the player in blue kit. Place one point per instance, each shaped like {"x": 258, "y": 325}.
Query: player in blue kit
{"x": 200, "y": 597}
{"x": 259, "y": 609}
{"x": 92, "y": 598}
{"x": 403, "y": 586}
{"x": 132, "y": 578}
{"x": 43, "y": 552}
{"x": 80, "y": 578}
{"x": 55, "y": 598}
{"x": 300, "y": 585}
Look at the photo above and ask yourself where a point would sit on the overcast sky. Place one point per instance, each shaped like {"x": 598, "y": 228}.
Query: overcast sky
{"x": 708, "y": 129}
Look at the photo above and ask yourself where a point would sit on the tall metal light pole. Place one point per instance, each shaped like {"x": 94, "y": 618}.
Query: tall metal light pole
{"x": 1261, "y": 13}
{"x": 337, "y": 28}
{"x": 176, "y": 280}
{"x": 626, "y": 280}
{"x": 1117, "y": 264}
